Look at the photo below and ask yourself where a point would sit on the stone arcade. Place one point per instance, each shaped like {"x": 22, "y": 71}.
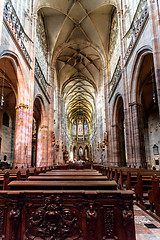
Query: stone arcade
{"x": 79, "y": 84}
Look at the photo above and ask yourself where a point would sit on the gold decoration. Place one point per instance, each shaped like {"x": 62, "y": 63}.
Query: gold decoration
{"x": 57, "y": 147}
{"x": 53, "y": 139}
{"x": 106, "y": 138}
{"x": 62, "y": 147}
{"x": 103, "y": 145}
{"x": 98, "y": 146}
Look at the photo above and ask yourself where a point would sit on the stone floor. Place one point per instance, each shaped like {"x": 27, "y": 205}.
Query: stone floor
{"x": 147, "y": 228}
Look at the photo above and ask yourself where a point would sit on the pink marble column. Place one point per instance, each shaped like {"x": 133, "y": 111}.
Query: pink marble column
{"x": 42, "y": 147}
{"x": 21, "y": 137}
{"x": 1, "y": 19}
{"x": 127, "y": 117}
{"x": 51, "y": 121}
{"x": 155, "y": 25}
{"x": 31, "y": 86}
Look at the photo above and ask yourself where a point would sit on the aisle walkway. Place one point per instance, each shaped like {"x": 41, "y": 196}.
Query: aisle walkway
{"x": 147, "y": 228}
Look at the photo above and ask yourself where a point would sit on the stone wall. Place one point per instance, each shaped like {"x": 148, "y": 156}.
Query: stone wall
{"x": 7, "y": 139}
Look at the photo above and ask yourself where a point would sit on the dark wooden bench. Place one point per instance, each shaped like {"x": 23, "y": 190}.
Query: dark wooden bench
{"x": 67, "y": 178}
{"x": 67, "y": 214}
{"x": 63, "y": 185}
{"x": 70, "y": 174}
{"x": 154, "y": 196}
{"x": 6, "y": 176}
{"x": 67, "y": 209}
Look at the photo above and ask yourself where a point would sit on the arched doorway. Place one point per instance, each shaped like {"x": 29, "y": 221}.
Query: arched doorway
{"x": 118, "y": 135}
{"x": 8, "y": 95}
{"x": 149, "y": 129}
{"x": 39, "y": 133}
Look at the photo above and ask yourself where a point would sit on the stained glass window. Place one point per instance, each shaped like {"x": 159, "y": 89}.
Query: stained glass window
{"x": 74, "y": 128}
{"x": 80, "y": 128}
{"x": 85, "y": 128}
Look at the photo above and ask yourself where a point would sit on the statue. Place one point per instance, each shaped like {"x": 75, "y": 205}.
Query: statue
{"x": 15, "y": 216}
{"x": 128, "y": 218}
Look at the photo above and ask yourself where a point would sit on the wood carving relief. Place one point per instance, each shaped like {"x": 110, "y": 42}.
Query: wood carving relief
{"x": 53, "y": 221}
{"x": 91, "y": 217}
{"x": 128, "y": 218}
{"x": 108, "y": 223}
{"x": 15, "y": 218}
{"x": 1, "y": 221}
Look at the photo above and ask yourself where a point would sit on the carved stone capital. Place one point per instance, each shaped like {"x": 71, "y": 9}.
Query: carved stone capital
{"x": 135, "y": 104}
{"x": 44, "y": 127}
{"x": 114, "y": 126}
{"x": 21, "y": 105}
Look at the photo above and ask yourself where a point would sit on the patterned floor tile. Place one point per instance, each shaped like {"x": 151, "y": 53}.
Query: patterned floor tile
{"x": 142, "y": 231}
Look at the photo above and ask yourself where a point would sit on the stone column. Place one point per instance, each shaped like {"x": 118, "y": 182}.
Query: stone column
{"x": 155, "y": 26}
{"x": 114, "y": 142}
{"x": 51, "y": 120}
{"x": 1, "y": 20}
{"x": 31, "y": 87}
{"x": 42, "y": 155}
{"x": 107, "y": 117}
{"x": 59, "y": 154}
{"x": 138, "y": 134}
{"x": 21, "y": 136}
{"x": 125, "y": 95}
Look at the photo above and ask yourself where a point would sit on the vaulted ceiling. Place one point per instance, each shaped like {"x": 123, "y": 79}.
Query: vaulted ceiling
{"x": 84, "y": 23}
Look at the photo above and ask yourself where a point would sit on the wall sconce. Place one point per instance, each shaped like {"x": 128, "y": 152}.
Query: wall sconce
{"x": 52, "y": 139}
{"x": 98, "y": 146}
{"x": 103, "y": 145}
{"x": 155, "y": 150}
{"x": 57, "y": 147}
{"x": 106, "y": 138}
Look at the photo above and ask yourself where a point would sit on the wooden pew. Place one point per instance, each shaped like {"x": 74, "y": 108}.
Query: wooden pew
{"x": 67, "y": 178}
{"x": 67, "y": 214}
{"x": 70, "y": 173}
{"x": 14, "y": 174}
{"x": 154, "y": 196}
{"x": 63, "y": 185}
{"x": 68, "y": 209}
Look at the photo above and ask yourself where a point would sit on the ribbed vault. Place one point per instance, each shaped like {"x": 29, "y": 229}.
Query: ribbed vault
{"x": 78, "y": 66}
{"x": 79, "y": 98}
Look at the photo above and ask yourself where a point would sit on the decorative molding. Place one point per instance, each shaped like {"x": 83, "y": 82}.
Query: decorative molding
{"x": 41, "y": 34}
{"x": 115, "y": 78}
{"x": 53, "y": 221}
{"x": 108, "y": 222}
{"x": 135, "y": 104}
{"x": 113, "y": 33}
{"x": 21, "y": 105}
{"x": 15, "y": 27}
{"x": 41, "y": 80}
{"x": 137, "y": 24}
{"x": 2, "y": 213}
